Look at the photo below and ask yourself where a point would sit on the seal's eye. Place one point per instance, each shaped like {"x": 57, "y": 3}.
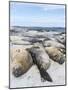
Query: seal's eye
{"x": 18, "y": 50}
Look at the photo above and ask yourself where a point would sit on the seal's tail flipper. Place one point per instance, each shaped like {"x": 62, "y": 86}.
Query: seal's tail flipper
{"x": 45, "y": 75}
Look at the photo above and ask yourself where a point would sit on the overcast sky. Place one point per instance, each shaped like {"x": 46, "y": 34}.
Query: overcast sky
{"x": 41, "y": 15}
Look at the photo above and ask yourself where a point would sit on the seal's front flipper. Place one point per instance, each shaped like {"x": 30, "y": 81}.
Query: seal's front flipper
{"x": 45, "y": 75}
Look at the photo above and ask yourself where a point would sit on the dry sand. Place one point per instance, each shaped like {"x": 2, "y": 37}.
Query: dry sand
{"x": 32, "y": 78}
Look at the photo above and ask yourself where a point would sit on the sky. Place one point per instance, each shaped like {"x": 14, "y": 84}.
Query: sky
{"x": 40, "y": 15}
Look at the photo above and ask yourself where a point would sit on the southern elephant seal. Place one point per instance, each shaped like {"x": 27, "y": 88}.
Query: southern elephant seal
{"x": 21, "y": 61}
{"x": 55, "y": 54}
{"x": 42, "y": 60}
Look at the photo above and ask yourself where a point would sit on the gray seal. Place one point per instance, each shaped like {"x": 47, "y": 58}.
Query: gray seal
{"x": 42, "y": 60}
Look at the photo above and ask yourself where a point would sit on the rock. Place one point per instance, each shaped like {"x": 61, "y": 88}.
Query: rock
{"x": 55, "y": 54}
{"x": 21, "y": 61}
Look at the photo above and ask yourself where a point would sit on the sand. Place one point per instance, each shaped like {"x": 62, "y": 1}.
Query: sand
{"x": 32, "y": 77}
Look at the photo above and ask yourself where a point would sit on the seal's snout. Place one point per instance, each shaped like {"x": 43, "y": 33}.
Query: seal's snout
{"x": 62, "y": 59}
{"x": 17, "y": 71}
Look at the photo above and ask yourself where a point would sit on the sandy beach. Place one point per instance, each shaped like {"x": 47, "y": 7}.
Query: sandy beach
{"x": 32, "y": 77}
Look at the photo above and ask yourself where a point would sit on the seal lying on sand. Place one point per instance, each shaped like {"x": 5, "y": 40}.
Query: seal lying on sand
{"x": 53, "y": 43}
{"x": 55, "y": 54}
{"x": 21, "y": 61}
{"x": 42, "y": 60}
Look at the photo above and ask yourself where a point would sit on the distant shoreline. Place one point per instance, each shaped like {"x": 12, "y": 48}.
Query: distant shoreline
{"x": 20, "y": 28}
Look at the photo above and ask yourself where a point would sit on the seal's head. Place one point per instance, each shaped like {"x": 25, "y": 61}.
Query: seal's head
{"x": 17, "y": 70}
{"x": 62, "y": 59}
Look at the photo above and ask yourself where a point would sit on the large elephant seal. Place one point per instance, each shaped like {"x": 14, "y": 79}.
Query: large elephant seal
{"x": 55, "y": 54}
{"x": 42, "y": 60}
{"x": 21, "y": 61}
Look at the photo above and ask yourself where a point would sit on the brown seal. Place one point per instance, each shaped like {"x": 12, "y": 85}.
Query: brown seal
{"x": 21, "y": 61}
{"x": 55, "y": 54}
